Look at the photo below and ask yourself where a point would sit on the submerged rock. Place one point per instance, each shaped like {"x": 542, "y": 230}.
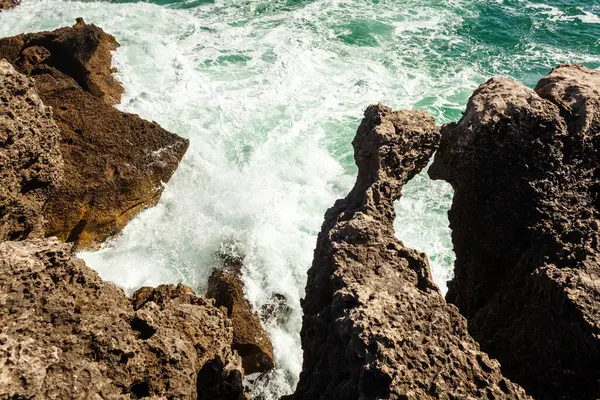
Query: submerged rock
{"x": 525, "y": 168}
{"x": 114, "y": 163}
{"x": 250, "y": 339}
{"x": 66, "y": 334}
{"x": 375, "y": 326}
{"x": 30, "y": 158}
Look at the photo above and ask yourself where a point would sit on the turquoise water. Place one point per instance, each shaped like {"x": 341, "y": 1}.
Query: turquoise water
{"x": 270, "y": 94}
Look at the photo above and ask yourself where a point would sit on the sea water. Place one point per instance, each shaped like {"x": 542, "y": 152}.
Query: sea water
{"x": 270, "y": 93}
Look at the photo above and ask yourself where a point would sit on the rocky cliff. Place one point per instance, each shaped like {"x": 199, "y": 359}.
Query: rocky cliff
{"x": 32, "y": 164}
{"x": 525, "y": 169}
{"x": 114, "y": 162}
{"x": 375, "y": 326}
{"x": 65, "y": 333}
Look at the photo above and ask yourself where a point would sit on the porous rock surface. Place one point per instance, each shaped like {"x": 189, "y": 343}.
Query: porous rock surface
{"x": 31, "y": 163}
{"x": 525, "y": 222}
{"x": 250, "y": 339}
{"x": 115, "y": 163}
{"x": 66, "y": 334}
{"x": 375, "y": 326}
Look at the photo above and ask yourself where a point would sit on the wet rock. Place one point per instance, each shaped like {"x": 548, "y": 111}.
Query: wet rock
{"x": 375, "y": 326}
{"x": 277, "y": 310}
{"x": 250, "y": 339}
{"x": 524, "y": 165}
{"x": 66, "y": 334}
{"x": 82, "y": 52}
{"x": 30, "y": 157}
{"x": 114, "y": 163}
{"x": 8, "y": 4}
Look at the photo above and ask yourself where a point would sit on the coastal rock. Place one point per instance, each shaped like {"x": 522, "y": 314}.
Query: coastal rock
{"x": 375, "y": 326}
{"x": 30, "y": 157}
{"x": 66, "y": 334}
{"x": 8, "y": 4}
{"x": 114, "y": 163}
{"x": 525, "y": 168}
{"x": 250, "y": 339}
{"x": 82, "y": 52}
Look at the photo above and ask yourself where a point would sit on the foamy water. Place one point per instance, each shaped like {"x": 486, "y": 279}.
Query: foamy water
{"x": 270, "y": 94}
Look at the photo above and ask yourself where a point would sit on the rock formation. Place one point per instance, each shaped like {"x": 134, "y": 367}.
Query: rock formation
{"x": 525, "y": 169}
{"x": 82, "y": 52}
{"x": 64, "y": 333}
{"x": 30, "y": 158}
{"x": 8, "y": 4}
{"x": 375, "y": 326}
{"x": 115, "y": 163}
{"x": 250, "y": 339}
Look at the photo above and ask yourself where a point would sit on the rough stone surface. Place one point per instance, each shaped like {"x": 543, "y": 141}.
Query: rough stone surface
{"x": 31, "y": 163}
{"x": 8, "y": 4}
{"x": 115, "y": 163}
{"x": 82, "y": 52}
{"x": 375, "y": 325}
{"x": 525, "y": 169}
{"x": 66, "y": 334}
{"x": 250, "y": 339}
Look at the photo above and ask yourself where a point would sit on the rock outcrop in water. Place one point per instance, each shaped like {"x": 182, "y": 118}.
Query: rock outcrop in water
{"x": 115, "y": 163}
{"x": 65, "y": 333}
{"x": 250, "y": 339}
{"x": 525, "y": 167}
{"x": 30, "y": 158}
{"x": 375, "y": 326}
{"x": 82, "y": 52}
{"x": 8, "y": 4}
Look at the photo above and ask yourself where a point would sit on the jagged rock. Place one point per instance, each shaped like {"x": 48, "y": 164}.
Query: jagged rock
{"x": 276, "y": 310}
{"x": 66, "y": 334}
{"x": 82, "y": 52}
{"x": 8, "y": 4}
{"x": 115, "y": 163}
{"x": 250, "y": 339}
{"x": 525, "y": 168}
{"x": 30, "y": 158}
{"x": 375, "y": 326}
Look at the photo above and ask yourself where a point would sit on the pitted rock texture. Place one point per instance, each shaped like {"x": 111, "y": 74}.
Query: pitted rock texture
{"x": 375, "y": 326}
{"x": 115, "y": 163}
{"x": 82, "y": 52}
{"x": 525, "y": 222}
{"x": 31, "y": 163}
{"x": 66, "y": 334}
{"x": 250, "y": 339}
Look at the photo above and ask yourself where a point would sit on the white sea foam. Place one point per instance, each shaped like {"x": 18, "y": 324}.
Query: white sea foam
{"x": 270, "y": 95}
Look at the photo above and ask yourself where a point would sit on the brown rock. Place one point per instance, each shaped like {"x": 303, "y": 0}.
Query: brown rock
{"x": 8, "y": 4}
{"x": 66, "y": 334}
{"x": 115, "y": 163}
{"x": 250, "y": 339}
{"x": 30, "y": 158}
{"x": 82, "y": 52}
{"x": 375, "y": 326}
{"x": 525, "y": 167}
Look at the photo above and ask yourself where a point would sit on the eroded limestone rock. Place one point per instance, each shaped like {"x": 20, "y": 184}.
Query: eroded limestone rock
{"x": 250, "y": 339}
{"x": 375, "y": 325}
{"x": 66, "y": 334}
{"x": 31, "y": 163}
{"x": 525, "y": 168}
